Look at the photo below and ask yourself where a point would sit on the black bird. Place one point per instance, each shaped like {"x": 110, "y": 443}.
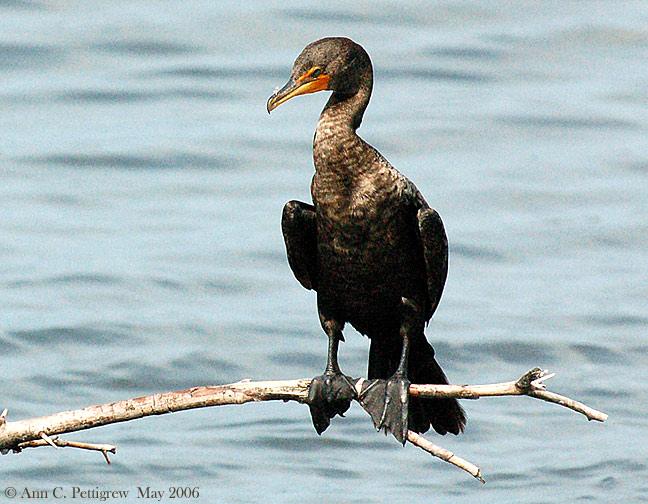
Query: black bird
{"x": 372, "y": 249}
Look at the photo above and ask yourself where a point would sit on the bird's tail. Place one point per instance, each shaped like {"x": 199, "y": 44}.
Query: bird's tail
{"x": 444, "y": 415}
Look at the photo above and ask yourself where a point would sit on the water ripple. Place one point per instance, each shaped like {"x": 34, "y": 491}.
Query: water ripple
{"x": 207, "y": 367}
{"x": 310, "y": 443}
{"x": 134, "y": 162}
{"x": 567, "y": 122}
{"x": 328, "y": 16}
{"x": 73, "y": 279}
{"x": 178, "y": 472}
{"x": 628, "y": 466}
{"x": 123, "y": 96}
{"x": 146, "y": 47}
{"x": 21, "y": 5}
{"x": 611, "y": 320}
{"x": 268, "y": 423}
{"x": 8, "y": 346}
{"x": 473, "y": 252}
{"x": 511, "y": 351}
{"x": 209, "y": 72}
{"x": 466, "y": 53}
{"x": 597, "y": 353}
{"x": 115, "y": 96}
{"x": 69, "y": 335}
{"x": 432, "y": 74}
{"x": 304, "y": 360}
{"x": 606, "y": 392}
{"x": 193, "y": 369}
{"x": 21, "y": 56}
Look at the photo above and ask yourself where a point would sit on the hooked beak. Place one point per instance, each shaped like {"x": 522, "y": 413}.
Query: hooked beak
{"x": 294, "y": 87}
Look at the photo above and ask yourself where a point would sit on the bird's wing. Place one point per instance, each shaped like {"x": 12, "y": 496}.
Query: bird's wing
{"x": 300, "y": 236}
{"x": 435, "y": 251}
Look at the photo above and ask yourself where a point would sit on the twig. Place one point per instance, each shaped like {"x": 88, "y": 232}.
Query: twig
{"x": 14, "y": 433}
{"x": 443, "y": 454}
{"x": 48, "y": 440}
{"x": 42, "y": 431}
{"x": 529, "y": 384}
{"x": 58, "y": 443}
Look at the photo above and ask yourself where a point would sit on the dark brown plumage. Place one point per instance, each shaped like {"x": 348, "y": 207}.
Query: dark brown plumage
{"x": 371, "y": 248}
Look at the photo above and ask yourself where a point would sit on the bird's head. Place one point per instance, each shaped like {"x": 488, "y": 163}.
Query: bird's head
{"x": 336, "y": 64}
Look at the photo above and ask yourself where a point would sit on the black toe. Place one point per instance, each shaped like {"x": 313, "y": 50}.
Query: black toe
{"x": 328, "y": 395}
{"x": 387, "y": 401}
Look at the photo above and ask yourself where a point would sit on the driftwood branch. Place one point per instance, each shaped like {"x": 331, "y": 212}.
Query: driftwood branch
{"x": 62, "y": 443}
{"x": 43, "y": 431}
{"x": 530, "y": 384}
{"x": 443, "y": 454}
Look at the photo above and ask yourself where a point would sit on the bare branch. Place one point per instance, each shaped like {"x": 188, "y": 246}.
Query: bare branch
{"x": 443, "y": 454}
{"x": 13, "y": 433}
{"x": 529, "y": 384}
{"x": 62, "y": 443}
{"x": 34, "y": 432}
{"x": 48, "y": 440}
{"x": 590, "y": 413}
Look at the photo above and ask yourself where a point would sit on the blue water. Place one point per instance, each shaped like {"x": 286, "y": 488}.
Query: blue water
{"x": 142, "y": 188}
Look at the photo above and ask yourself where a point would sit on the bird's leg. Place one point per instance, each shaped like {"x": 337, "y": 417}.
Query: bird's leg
{"x": 330, "y": 394}
{"x": 387, "y": 401}
{"x": 394, "y": 416}
{"x": 332, "y": 366}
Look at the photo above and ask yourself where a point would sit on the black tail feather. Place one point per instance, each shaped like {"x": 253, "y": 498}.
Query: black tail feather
{"x": 444, "y": 415}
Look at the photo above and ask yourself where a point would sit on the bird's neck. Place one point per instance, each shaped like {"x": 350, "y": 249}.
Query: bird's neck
{"x": 336, "y": 147}
{"x": 347, "y": 109}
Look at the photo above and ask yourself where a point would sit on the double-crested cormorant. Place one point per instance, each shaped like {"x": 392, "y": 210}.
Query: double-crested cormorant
{"x": 372, "y": 249}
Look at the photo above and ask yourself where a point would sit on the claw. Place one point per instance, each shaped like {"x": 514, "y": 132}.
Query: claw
{"x": 328, "y": 395}
{"x": 387, "y": 402}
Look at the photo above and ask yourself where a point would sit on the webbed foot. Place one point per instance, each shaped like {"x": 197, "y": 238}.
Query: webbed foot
{"x": 328, "y": 395}
{"x": 387, "y": 402}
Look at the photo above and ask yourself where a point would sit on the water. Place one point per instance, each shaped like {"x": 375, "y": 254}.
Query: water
{"x": 142, "y": 186}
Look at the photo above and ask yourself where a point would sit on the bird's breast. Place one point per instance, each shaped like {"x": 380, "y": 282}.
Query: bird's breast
{"x": 362, "y": 224}
{"x": 354, "y": 209}
{"x": 368, "y": 251}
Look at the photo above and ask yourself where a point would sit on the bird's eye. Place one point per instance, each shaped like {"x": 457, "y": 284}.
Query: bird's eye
{"x": 317, "y": 72}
